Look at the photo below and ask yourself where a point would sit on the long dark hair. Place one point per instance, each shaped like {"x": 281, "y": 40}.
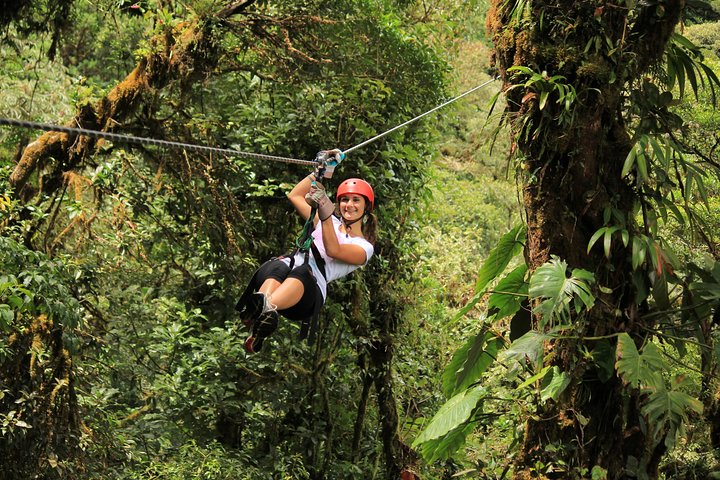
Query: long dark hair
{"x": 370, "y": 227}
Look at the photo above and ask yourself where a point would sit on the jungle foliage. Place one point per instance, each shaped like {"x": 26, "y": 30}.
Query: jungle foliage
{"x": 147, "y": 249}
{"x": 602, "y": 310}
{"x": 478, "y": 343}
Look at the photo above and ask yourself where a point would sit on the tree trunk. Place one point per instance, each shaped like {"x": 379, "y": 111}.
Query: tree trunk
{"x": 386, "y": 311}
{"x": 39, "y": 403}
{"x": 571, "y": 174}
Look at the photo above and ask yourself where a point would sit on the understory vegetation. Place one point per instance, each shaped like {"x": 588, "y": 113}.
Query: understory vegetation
{"x": 491, "y": 318}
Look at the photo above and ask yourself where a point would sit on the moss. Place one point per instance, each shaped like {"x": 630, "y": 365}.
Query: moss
{"x": 566, "y": 55}
{"x": 595, "y": 67}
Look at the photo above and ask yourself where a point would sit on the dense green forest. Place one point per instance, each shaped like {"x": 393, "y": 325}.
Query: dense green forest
{"x": 544, "y": 297}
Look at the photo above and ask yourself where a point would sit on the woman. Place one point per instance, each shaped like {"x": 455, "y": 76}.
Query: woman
{"x": 296, "y": 286}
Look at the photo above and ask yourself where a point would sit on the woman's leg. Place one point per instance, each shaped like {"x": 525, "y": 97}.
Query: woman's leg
{"x": 283, "y": 295}
{"x": 269, "y": 286}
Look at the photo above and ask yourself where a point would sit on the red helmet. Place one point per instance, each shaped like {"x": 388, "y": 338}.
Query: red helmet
{"x": 356, "y": 185}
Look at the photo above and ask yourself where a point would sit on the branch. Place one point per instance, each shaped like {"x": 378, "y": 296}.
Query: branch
{"x": 234, "y": 9}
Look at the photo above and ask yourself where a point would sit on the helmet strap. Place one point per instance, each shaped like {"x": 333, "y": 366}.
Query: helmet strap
{"x": 348, "y": 225}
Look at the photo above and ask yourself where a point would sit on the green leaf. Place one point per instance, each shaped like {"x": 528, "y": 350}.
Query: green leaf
{"x": 668, "y": 408}
{"x": 638, "y": 252}
{"x": 535, "y": 378}
{"x": 670, "y": 405}
{"x": 660, "y": 293}
{"x": 608, "y": 240}
{"x": 502, "y": 304}
{"x": 528, "y": 348}
{"x": 543, "y": 98}
{"x": 636, "y": 369}
{"x": 629, "y": 161}
{"x": 6, "y": 317}
{"x": 551, "y": 283}
{"x": 15, "y": 302}
{"x": 498, "y": 259}
{"x": 470, "y": 362}
{"x": 596, "y": 236}
{"x": 508, "y": 247}
{"x": 625, "y": 235}
{"x": 555, "y": 384}
{"x": 453, "y": 413}
{"x": 443, "y": 447}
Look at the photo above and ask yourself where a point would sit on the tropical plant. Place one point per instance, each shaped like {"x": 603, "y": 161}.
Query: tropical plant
{"x": 600, "y": 163}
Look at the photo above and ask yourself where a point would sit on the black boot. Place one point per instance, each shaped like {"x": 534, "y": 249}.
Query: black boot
{"x": 262, "y": 328}
{"x": 253, "y": 308}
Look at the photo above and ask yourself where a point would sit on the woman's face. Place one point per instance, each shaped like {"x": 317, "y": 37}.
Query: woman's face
{"x": 352, "y": 206}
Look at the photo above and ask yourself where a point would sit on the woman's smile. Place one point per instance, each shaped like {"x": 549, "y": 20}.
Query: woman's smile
{"x": 352, "y": 207}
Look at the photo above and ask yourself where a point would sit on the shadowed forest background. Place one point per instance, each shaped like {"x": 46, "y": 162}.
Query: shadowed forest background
{"x": 544, "y": 298}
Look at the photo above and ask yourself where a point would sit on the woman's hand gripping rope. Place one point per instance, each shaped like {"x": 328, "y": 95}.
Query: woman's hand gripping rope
{"x": 327, "y": 160}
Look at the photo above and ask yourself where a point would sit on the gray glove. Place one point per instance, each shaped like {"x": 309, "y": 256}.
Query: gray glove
{"x": 317, "y": 198}
{"x": 329, "y": 159}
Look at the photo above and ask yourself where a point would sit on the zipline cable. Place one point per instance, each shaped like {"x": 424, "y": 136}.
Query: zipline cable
{"x": 148, "y": 141}
{"x": 203, "y": 148}
{"x": 377, "y": 137}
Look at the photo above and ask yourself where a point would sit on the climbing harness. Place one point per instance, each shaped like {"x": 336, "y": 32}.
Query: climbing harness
{"x": 304, "y": 243}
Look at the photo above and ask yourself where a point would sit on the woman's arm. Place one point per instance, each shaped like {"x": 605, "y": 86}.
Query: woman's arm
{"x": 297, "y": 197}
{"x": 348, "y": 253}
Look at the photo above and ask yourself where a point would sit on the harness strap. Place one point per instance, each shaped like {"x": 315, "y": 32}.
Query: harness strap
{"x": 319, "y": 260}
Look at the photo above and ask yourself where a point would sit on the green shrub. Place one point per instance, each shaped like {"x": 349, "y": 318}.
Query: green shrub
{"x": 705, "y": 35}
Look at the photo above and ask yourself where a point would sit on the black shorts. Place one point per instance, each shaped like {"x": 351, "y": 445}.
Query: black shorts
{"x": 279, "y": 270}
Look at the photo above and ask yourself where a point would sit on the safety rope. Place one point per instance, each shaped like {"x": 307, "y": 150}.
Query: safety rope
{"x": 404, "y": 124}
{"x": 224, "y": 151}
{"x": 148, "y": 141}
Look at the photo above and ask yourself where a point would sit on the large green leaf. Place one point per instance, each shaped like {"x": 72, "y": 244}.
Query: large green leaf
{"x": 498, "y": 259}
{"x": 443, "y": 447}
{"x": 470, "y": 362}
{"x": 454, "y": 413}
{"x": 669, "y": 407}
{"x": 509, "y": 293}
{"x": 507, "y": 247}
{"x": 635, "y": 368}
{"x": 527, "y": 349}
{"x": 554, "y": 384}
{"x": 551, "y": 283}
